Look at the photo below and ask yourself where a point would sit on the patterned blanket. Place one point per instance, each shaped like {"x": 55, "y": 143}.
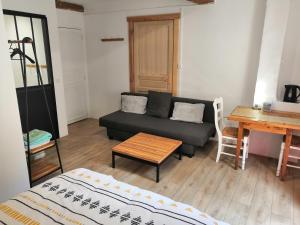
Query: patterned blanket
{"x": 82, "y": 196}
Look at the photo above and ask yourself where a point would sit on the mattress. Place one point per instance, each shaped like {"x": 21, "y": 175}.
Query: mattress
{"x": 82, "y": 196}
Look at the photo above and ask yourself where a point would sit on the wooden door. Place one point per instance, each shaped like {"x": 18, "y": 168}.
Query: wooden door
{"x": 71, "y": 44}
{"x": 154, "y": 53}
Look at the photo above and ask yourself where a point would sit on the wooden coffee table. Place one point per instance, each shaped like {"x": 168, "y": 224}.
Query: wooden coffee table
{"x": 149, "y": 149}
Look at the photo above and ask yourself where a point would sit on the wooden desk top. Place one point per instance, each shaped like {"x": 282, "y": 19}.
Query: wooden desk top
{"x": 281, "y": 119}
{"x": 148, "y": 147}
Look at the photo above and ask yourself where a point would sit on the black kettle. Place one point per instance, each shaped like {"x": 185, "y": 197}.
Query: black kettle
{"x": 292, "y": 93}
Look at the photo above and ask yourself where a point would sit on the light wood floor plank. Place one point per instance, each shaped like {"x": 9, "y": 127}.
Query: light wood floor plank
{"x": 248, "y": 181}
{"x": 237, "y": 213}
{"x": 282, "y": 204}
{"x": 280, "y": 220}
{"x": 224, "y": 194}
{"x": 296, "y": 201}
{"x": 261, "y": 205}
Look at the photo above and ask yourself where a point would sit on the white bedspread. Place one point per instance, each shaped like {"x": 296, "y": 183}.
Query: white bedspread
{"x": 82, "y": 196}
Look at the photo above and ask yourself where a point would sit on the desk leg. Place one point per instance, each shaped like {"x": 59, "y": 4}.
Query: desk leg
{"x": 180, "y": 154}
{"x": 288, "y": 141}
{"x": 113, "y": 160}
{"x": 239, "y": 144}
{"x": 157, "y": 173}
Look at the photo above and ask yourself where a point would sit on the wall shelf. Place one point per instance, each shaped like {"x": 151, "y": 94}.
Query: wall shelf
{"x": 112, "y": 39}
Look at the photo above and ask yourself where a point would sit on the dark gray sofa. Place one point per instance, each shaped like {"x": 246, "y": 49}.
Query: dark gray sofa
{"x": 121, "y": 125}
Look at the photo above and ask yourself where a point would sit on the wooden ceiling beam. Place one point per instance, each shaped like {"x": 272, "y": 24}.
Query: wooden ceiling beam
{"x": 69, "y": 6}
{"x": 202, "y": 1}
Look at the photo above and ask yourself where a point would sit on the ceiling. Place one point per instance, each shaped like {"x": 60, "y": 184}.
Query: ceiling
{"x": 98, "y": 6}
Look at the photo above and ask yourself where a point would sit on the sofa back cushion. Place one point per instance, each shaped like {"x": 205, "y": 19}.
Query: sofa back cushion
{"x": 159, "y": 104}
{"x": 208, "y": 115}
{"x": 209, "y": 112}
{"x": 134, "y": 104}
{"x": 188, "y": 112}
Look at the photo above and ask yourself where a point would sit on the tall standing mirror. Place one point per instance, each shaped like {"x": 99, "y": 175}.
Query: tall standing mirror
{"x": 18, "y": 26}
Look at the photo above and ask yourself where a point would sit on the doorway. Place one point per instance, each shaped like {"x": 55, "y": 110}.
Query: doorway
{"x": 154, "y": 52}
{"x": 73, "y": 64}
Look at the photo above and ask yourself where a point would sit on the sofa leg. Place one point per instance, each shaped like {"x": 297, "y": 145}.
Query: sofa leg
{"x": 189, "y": 155}
{"x": 110, "y": 137}
{"x": 188, "y": 150}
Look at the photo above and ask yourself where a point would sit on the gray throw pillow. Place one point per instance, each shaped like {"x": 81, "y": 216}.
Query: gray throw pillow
{"x": 188, "y": 112}
{"x": 134, "y": 104}
{"x": 159, "y": 104}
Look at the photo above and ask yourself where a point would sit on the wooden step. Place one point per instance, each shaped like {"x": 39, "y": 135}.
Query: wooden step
{"x": 40, "y": 170}
{"x": 42, "y": 148}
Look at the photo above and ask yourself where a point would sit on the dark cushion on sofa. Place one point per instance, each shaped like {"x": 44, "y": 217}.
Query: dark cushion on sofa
{"x": 189, "y": 133}
{"x": 159, "y": 104}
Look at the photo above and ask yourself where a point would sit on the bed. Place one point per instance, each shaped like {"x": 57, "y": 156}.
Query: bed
{"x": 82, "y": 196}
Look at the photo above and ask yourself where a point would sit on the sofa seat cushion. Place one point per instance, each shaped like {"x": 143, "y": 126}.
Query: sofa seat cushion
{"x": 189, "y": 133}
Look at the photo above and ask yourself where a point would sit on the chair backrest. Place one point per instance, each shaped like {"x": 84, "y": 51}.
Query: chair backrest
{"x": 218, "y": 107}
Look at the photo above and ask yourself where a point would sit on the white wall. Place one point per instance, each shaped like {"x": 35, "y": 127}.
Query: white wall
{"x": 14, "y": 175}
{"x": 220, "y": 49}
{"x": 290, "y": 64}
{"x": 271, "y": 51}
{"x": 47, "y": 8}
{"x": 70, "y": 19}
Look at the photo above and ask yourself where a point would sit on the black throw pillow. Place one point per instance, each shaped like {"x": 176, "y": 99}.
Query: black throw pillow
{"x": 159, "y": 104}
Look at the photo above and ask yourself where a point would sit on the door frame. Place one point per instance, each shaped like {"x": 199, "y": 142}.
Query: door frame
{"x": 176, "y": 21}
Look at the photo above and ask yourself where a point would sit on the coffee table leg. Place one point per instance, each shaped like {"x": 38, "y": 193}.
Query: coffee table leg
{"x": 180, "y": 154}
{"x": 157, "y": 173}
{"x": 113, "y": 161}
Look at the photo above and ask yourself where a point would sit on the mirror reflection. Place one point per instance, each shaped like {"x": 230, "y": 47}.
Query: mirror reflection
{"x": 19, "y": 27}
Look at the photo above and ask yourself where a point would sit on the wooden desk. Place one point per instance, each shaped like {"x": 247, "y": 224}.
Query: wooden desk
{"x": 276, "y": 122}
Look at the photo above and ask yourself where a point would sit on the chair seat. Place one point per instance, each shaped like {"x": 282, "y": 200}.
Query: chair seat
{"x": 295, "y": 141}
{"x": 233, "y": 132}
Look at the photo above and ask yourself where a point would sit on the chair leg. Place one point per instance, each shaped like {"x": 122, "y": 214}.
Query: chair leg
{"x": 280, "y": 159}
{"x": 245, "y": 150}
{"x": 220, "y": 149}
{"x": 248, "y": 144}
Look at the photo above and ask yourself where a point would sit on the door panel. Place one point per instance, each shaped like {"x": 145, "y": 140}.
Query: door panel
{"x": 75, "y": 91}
{"x": 153, "y": 55}
{"x": 72, "y": 53}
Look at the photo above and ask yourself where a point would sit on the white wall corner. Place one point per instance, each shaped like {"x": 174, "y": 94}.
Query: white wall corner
{"x": 13, "y": 167}
{"x": 275, "y": 26}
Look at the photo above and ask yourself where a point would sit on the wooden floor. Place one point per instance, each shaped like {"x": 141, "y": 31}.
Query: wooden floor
{"x": 254, "y": 196}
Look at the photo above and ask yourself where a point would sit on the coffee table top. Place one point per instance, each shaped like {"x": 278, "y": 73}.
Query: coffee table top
{"x": 148, "y": 147}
